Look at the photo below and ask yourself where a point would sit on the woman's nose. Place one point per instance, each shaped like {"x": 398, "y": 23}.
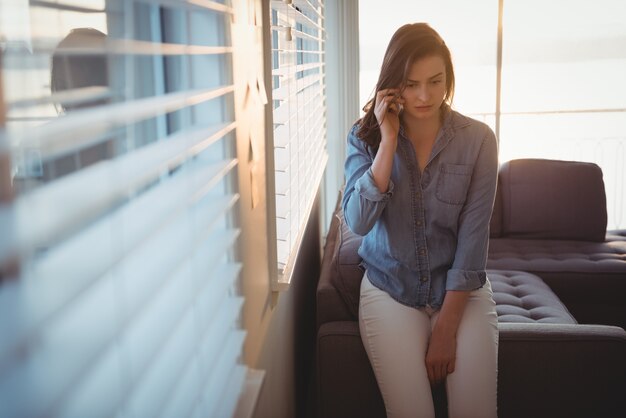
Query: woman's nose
{"x": 423, "y": 93}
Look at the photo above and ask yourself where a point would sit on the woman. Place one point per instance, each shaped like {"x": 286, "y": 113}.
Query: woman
{"x": 420, "y": 187}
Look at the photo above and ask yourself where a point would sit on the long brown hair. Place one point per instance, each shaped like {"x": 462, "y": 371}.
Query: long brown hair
{"x": 410, "y": 43}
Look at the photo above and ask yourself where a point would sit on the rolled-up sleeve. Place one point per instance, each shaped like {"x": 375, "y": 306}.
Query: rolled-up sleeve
{"x": 470, "y": 260}
{"x": 362, "y": 201}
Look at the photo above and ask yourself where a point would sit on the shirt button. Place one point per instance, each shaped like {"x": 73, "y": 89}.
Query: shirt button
{"x": 421, "y": 251}
{"x": 424, "y": 279}
{"x": 419, "y": 223}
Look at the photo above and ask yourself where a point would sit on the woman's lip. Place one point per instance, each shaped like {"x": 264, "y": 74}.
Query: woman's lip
{"x": 422, "y": 107}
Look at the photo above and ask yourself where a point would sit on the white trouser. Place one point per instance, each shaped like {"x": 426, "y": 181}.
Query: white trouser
{"x": 396, "y": 337}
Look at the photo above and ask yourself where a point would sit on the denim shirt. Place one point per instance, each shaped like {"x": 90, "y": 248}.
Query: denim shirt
{"x": 429, "y": 232}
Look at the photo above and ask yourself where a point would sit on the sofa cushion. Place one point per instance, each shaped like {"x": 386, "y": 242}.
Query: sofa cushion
{"x": 552, "y": 199}
{"x": 559, "y": 255}
{"x": 589, "y": 277}
{"x": 524, "y": 297}
{"x": 330, "y": 303}
{"x": 348, "y": 272}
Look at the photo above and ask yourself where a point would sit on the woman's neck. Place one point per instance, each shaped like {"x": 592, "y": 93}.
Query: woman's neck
{"x": 422, "y": 129}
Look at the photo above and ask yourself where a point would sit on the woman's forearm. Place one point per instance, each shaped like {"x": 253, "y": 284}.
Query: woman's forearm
{"x": 451, "y": 312}
{"x": 441, "y": 354}
{"x": 383, "y": 162}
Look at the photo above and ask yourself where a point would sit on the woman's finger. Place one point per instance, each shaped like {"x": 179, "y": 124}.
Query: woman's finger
{"x": 443, "y": 372}
{"x": 451, "y": 367}
{"x": 382, "y": 102}
{"x": 396, "y": 100}
{"x": 383, "y": 106}
{"x": 386, "y": 92}
{"x": 383, "y": 94}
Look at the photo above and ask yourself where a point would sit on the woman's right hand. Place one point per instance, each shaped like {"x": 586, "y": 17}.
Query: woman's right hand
{"x": 387, "y": 110}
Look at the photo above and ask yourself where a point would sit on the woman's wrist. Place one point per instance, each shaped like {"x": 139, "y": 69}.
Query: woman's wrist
{"x": 445, "y": 329}
{"x": 451, "y": 313}
{"x": 388, "y": 139}
{"x": 381, "y": 167}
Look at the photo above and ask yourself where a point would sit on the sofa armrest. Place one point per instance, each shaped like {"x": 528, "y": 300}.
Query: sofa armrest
{"x": 571, "y": 370}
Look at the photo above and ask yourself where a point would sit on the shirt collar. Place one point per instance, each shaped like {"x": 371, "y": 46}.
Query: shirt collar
{"x": 452, "y": 121}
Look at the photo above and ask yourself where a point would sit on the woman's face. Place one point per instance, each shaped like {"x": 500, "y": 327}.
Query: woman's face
{"x": 425, "y": 88}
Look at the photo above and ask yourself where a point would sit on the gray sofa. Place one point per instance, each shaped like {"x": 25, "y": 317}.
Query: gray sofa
{"x": 550, "y": 219}
{"x": 554, "y": 359}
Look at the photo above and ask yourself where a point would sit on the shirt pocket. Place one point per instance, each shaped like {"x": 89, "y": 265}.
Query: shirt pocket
{"x": 453, "y": 183}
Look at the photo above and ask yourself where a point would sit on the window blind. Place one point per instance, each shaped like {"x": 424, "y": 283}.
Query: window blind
{"x": 120, "y": 131}
{"x": 298, "y": 93}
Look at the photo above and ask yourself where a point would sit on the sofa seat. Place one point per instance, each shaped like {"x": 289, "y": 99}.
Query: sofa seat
{"x": 579, "y": 272}
{"x": 524, "y": 298}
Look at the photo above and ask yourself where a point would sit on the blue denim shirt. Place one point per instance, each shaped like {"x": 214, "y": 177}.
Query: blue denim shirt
{"x": 429, "y": 232}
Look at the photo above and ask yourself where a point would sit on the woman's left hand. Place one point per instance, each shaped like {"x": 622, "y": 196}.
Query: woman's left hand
{"x": 441, "y": 356}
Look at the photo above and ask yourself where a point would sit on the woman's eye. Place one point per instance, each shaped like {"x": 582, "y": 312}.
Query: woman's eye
{"x": 436, "y": 81}
{"x": 411, "y": 85}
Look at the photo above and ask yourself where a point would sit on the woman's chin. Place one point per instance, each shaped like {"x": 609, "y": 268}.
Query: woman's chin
{"x": 420, "y": 113}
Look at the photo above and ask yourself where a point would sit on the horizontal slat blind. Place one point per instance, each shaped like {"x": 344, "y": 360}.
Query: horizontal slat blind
{"x": 298, "y": 92}
{"x": 123, "y": 223}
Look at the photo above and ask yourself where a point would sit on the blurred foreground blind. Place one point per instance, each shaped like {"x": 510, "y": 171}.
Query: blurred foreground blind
{"x": 299, "y": 116}
{"x": 120, "y": 287}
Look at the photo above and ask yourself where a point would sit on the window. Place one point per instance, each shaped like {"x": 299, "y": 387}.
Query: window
{"x": 342, "y": 95}
{"x": 563, "y": 88}
{"x": 472, "y": 43}
{"x": 119, "y": 284}
{"x": 299, "y": 122}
